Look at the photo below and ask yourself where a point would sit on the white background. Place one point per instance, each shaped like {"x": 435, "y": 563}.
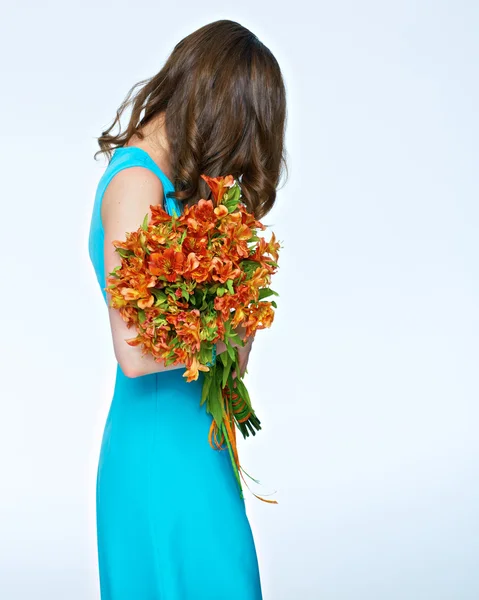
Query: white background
{"x": 367, "y": 383}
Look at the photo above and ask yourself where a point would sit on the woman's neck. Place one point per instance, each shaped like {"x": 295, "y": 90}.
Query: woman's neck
{"x": 155, "y": 142}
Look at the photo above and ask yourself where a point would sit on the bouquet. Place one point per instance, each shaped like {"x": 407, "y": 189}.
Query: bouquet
{"x": 187, "y": 281}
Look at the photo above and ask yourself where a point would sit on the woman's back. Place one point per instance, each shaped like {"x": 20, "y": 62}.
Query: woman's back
{"x": 171, "y": 524}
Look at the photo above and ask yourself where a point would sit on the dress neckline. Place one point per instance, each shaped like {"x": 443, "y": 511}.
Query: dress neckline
{"x": 149, "y": 156}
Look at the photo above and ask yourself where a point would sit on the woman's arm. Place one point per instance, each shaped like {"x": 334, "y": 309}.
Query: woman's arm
{"x": 125, "y": 203}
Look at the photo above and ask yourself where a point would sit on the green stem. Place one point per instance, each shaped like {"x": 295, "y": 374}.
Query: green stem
{"x": 235, "y": 468}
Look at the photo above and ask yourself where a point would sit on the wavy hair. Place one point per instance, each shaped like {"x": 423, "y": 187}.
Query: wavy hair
{"x": 224, "y": 102}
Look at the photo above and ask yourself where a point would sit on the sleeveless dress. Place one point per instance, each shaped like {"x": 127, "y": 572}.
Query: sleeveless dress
{"x": 171, "y": 524}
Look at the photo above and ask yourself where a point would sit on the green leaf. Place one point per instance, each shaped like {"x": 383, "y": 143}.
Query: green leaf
{"x": 226, "y": 372}
{"x": 160, "y": 296}
{"x": 253, "y": 264}
{"x": 123, "y": 252}
{"x": 242, "y": 391}
{"x": 206, "y": 386}
{"x": 224, "y": 358}
{"x": 235, "y": 193}
{"x": 214, "y": 402}
{"x": 229, "y": 284}
{"x": 141, "y": 316}
{"x": 144, "y": 225}
{"x": 234, "y": 337}
{"x": 142, "y": 239}
{"x": 265, "y": 292}
{"x": 231, "y": 351}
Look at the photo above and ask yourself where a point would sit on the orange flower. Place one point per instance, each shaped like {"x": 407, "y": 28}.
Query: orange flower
{"x": 187, "y": 327}
{"x": 225, "y": 303}
{"x": 168, "y": 263}
{"x": 196, "y": 244}
{"x": 260, "y": 316}
{"x": 222, "y": 270}
{"x": 193, "y": 368}
{"x": 130, "y": 294}
{"x": 146, "y": 302}
{"x": 263, "y": 249}
{"x": 221, "y": 211}
{"x": 158, "y": 215}
{"x": 218, "y": 185}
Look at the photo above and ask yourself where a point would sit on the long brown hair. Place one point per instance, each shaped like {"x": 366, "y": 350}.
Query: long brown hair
{"x": 224, "y": 100}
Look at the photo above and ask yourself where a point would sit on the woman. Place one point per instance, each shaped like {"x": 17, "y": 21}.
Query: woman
{"x": 171, "y": 524}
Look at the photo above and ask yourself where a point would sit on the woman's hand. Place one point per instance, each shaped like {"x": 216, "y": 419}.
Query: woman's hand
{"x": 243, "y": 352}
{"x": 243, "y": 356}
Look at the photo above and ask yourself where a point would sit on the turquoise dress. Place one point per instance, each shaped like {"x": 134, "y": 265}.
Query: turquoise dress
{"x": 170, "y": 521}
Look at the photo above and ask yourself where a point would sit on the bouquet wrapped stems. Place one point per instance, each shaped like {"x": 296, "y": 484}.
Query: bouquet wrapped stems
{"x": 228, "y": 401}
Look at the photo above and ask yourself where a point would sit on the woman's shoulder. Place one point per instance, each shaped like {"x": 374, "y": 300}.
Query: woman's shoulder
{"x": 129, "y": 193}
